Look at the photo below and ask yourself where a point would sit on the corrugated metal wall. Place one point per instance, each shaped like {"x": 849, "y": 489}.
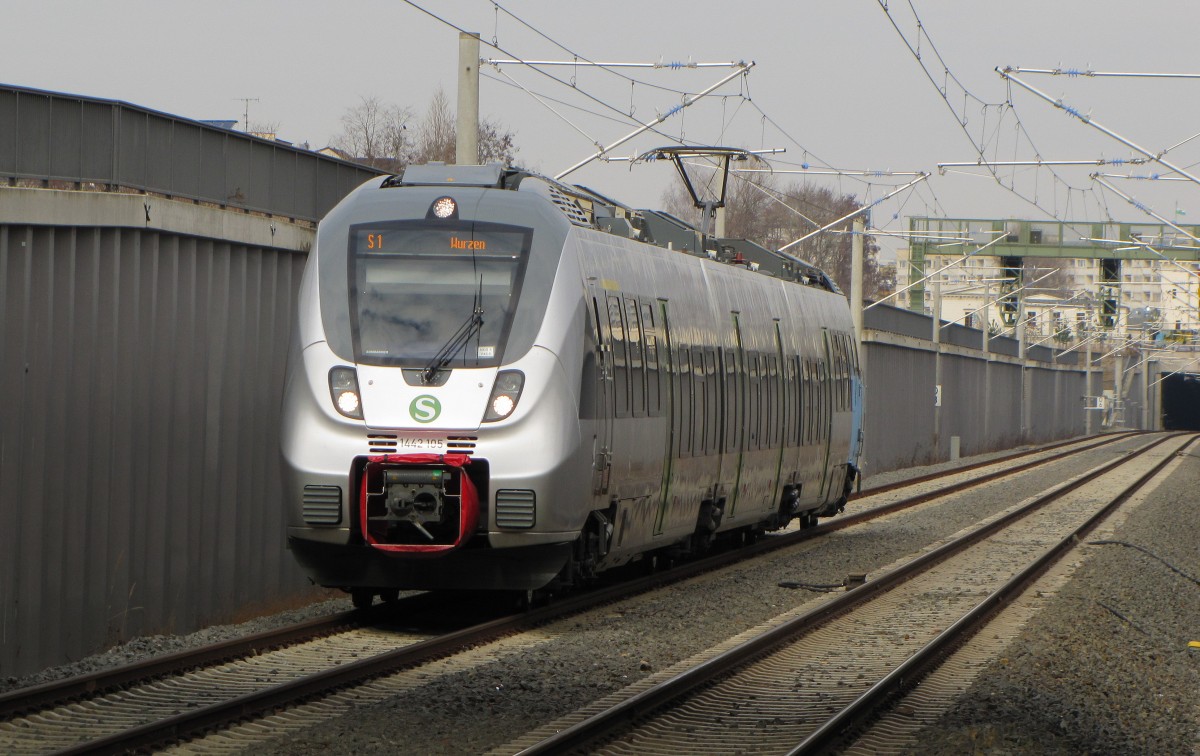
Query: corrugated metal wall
{"x": 50, "y": 136}
{"x": 981, "y": 394}
{"x": 139, "y": 482}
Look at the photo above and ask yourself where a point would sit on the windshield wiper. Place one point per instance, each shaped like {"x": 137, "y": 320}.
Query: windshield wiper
{"x": 457, "y": 341}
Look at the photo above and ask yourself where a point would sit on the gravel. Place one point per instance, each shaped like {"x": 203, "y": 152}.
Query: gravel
{"x": 1079, "y": 679}
{"x": 138, "y": 649}
{"x": 1106, "y": 667}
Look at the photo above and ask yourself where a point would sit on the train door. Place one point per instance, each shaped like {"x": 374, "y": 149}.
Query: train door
{"x": 665, "y": 365}
{"x": 825, "y": 409}
{"x": 778, "y": 402}
{"x": 604, "y": 392}
{"x": 737, "y": 409}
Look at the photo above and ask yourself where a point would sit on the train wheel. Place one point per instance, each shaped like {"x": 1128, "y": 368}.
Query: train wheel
{"x": 362, "y": 597}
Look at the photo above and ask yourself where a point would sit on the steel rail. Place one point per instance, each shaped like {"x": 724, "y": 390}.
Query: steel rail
{"x": 20, "y": 700}
{"x": 917, "y": 666}
{"x": 1105, "y": 439}
{"x": 624, "y": 714}
{"x": 190, "y": 723}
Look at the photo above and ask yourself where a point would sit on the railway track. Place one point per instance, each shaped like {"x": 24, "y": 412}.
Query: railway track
{"x": 172, "y": 698}
{"x": 809, "y": 684}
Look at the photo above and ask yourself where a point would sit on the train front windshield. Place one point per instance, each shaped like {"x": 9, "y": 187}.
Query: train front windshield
{"x": 416, "y": 286}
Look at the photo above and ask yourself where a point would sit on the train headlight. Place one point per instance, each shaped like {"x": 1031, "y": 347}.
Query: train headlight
{"x": 343, "y": 389}
{"x": 506, "y": 392}
{"x": 444, "y": 208}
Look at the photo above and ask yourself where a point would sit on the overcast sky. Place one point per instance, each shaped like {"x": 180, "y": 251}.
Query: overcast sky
{"x": 834, "y": 84}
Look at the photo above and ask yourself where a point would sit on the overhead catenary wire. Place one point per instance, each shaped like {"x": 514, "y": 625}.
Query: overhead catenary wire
{"x": 1026, "y": 163}
{"x": 573, "y": 53}
{"x": 579, "y": 60}
{"x": 741, "y": 67}
{"x": 549, "y": 107}
{"x": 1153, "y": 250}
{"x": 688, "y": 101}
{"x": 508, "y": 81}
{"x": 671, "y": 66}
{"x": 961, "y": 118}
{"x": 832, "y": 172}
{"x": 582, "y": 60}
{"x": 1078, "y": 72}
{"x": 1145, "y": 209}
{"x": 1142, "y": 177}
{"x": 925, "y": 278}
{"x": 495, "y": 45}
{"x": 1089, "y": 121}
{"x": 859, "y": 211}
{"x": 1004, "y": 294}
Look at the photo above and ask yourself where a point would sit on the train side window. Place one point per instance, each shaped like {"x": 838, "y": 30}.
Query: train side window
{"x": 733, "y": 413}
{"x": 776, "y": 416}
{"x": 637, "y": 375}
{"x": 822, "y": 391}
{"x": 713, "y": 398}
{"x": 764, "y": 404}
{"x": 844, "y": 367}
{"x": 619, "y": 361}
{"x": 700, "y": 402}
{"x": 753, "y": 393}
{"x": 835, "y": 359}
{"x": 653, "y": 386}
{"x": 684, "y": 377}
{"x": 836, "y": 370}
{"x": 848, "y": 361}
{"x": 816, "y": 401}
{"x": 793, "y": 430}
{"x": 855, "y": 367}
{"x": 851, "y": 368}
{"x": 826, "y": 396}
{"x": 833, "y": 385}
{"x": 768, "y": 402}
{"x": 808, "y": 402}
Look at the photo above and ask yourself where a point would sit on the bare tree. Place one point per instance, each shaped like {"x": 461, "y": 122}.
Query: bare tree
{"x": 374, "y": 133}
{"x": 377, "y": 134}
{"x": 496, "y": 144}
{"x": 438, "y": 133}
{"x": 264, "y": 129}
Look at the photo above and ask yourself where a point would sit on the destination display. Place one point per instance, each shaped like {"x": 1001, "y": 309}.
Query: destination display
{"x": 438, "y": 240}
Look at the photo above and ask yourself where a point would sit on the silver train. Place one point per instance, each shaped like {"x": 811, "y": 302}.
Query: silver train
{"x": 498, "y": 381}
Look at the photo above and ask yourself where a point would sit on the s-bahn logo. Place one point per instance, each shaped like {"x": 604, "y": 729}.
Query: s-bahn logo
{"x": 425, "y": 408}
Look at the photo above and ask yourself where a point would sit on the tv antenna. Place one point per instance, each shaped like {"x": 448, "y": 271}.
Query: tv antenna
{"x": 246, "y": 110}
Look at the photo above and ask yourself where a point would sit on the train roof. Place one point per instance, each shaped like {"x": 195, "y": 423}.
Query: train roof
{"x": 588, "y": 208}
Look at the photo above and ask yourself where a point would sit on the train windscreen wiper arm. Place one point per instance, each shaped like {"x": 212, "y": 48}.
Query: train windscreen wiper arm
{"x": 456, "y": 343}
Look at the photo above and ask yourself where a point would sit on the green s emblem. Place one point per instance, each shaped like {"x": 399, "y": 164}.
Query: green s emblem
{"x": 425, "y": 408}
